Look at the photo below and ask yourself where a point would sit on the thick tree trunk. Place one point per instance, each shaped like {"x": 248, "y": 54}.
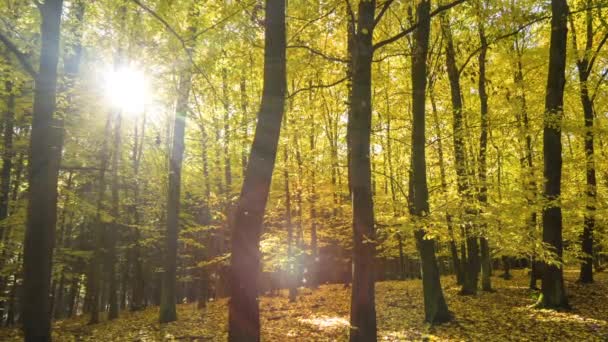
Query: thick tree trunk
{"x": 43, "y": 175}
{"x": 435, "y": 307}
{"x": 553, "y": 290}
{"x": 362, "y": 309}
{"x": 471, "y": 267}
{"x": 168, "y": 296}
{"x": 244, "y": 314}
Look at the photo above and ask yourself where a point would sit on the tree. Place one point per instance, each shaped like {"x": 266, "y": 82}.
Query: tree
{"x": 43, "y": 175}
{"x": 486, "y": 283}
{"x": 244, "y": 315}
{"x": 553, "y": 292}
{"x": 471, "y": 263}
{"x": 435, "y": 307}
{"x": 362, "y": 307}
{"x": 584, "y": 65}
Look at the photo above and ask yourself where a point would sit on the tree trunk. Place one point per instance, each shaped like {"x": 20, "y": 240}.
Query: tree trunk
{"x": 138, "y": 283}
{"x": 471, "y": 269}
{"x": 362, "y": 309}
{"x": 244, "y": 123}
{"x": 444, "y": 189}
{"x": 43, "y": 175}
{"x": 8, "y": 153}
{"x": 486, "y": 280}
{"x": 114, "y": 228}
{"x": 244, "y": 314}
{"x": 168, "y": 297}
{"x": 585, "y": 66}
{"x": 94, "y": 279}
{"x": 314, "y": 250}
{"x": 435, "y": 307}
{"x": 553, "y": 290}
{"x": 290, "y": 259}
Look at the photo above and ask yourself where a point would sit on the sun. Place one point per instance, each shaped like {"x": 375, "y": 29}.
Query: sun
{"x": 126, "y": 89}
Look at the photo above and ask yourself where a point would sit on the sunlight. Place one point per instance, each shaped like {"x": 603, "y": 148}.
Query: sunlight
{"x": 126, "y": 89}
{"x": 325, "y": 322}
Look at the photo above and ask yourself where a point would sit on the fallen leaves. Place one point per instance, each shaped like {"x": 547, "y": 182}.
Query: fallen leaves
{"x": 322, "y": 315}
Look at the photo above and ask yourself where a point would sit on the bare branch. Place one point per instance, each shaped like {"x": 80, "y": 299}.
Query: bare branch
{"x": 501, "y": 37}
{"x": 411, "y": 29}
{"x": 317, "y": 86}
{"x": 318, "y": 53}
{"x": 387, "y": 4}
{"x": 351, "y": 14}
{"x": 187, "y": 49}
{"x": 21, "y": 57}
{"x": 597, "y": 52}
{"x": 598, "y": 84}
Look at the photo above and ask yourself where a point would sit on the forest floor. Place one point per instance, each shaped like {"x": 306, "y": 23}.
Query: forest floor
{"x": 322, "y": 315}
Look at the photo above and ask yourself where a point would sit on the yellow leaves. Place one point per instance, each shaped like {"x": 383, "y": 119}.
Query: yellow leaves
{"x": 323, "y": 315}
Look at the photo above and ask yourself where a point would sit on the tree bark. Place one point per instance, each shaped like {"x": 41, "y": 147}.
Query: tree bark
{"x": 585, "y": 66}
{"x": 553, "y": 290}
{"x": 471, "y": 267}
{"x": 444, "y": 188}
{"x": 114, "y": 228}
{"x": 244, "y": 315}
{"x": 486, "y": 280}
{"x": 43, "y": 175}
{"x": 168, "y": 296}
{"x": 435, "y": 307}
{"x": 362, "y": 309}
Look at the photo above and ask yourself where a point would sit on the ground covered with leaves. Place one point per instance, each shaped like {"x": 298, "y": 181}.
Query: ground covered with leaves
{"x": 322, "y": 315}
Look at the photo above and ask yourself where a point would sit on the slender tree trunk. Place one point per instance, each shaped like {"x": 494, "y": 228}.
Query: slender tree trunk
{"x": 168, "y": 296}
{"x": 114, "y": 227}
{"x": 435, "y": 307}
{"x": 362, "y": 309}
{"x": 43, "y": 176}
{"x": 486, "y": 269}
{"x": 585, "y": 66}
{"x": 138, "y": 283}
{"x": 94, "y": 279}
{"x": 290, "y": 259}
{"x": 244, "y": 123}
{"x": 244, "y": 314}
{"x": 227, "y": 167}
{"x": 444, "y": 188}
{"x": 8, "y": 153}
{"x": 314, "y": 250}
{"x": 471, "y": 269}
{"x": 553, "y": 290}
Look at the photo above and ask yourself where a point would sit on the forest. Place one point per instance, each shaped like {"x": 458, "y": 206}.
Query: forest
{"x": 304, "y": 170}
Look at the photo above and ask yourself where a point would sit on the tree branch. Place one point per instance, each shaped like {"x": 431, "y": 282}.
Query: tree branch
{"x": 410, "y": 29}
{"x": 597, "y": 85}
{"x": 498, "y": 38}
{"x": 21, "y": 57}
{"x": 317, "y": 86}
{"x": 597, "y": 52}
{"x": 351, "y": 14}
{"x": 387, "y": 4}
{"x": 318, "y": 53}
{"x": 188, "y": 51}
